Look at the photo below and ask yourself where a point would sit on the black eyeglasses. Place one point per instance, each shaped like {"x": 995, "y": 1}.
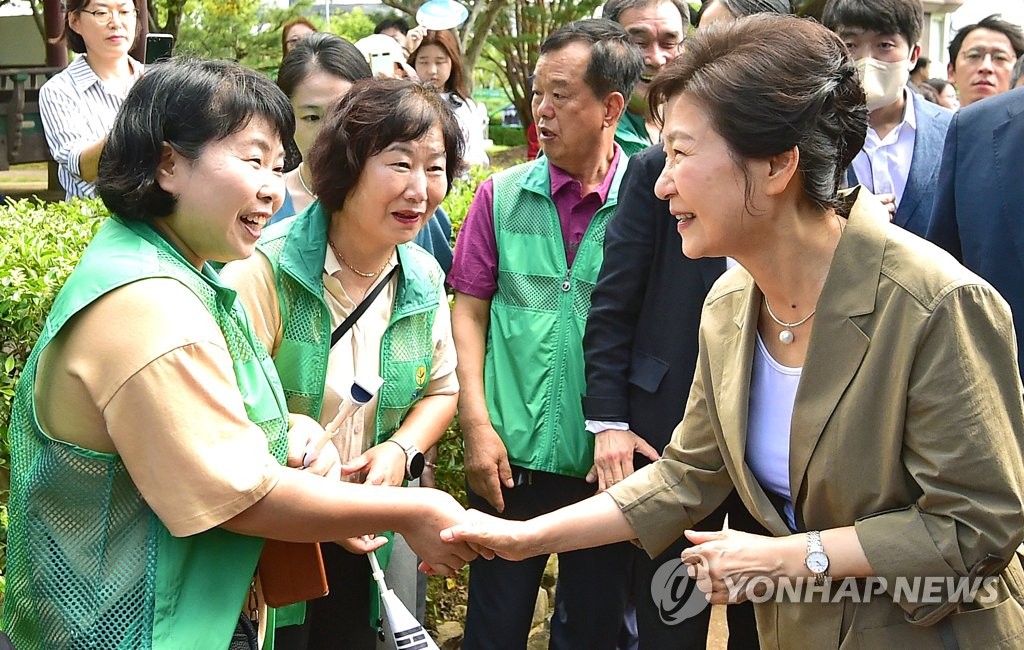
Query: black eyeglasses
{"x": 104, "y": 16}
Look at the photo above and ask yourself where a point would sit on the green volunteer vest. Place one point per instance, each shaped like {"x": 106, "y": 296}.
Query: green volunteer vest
{"x": 631, "y": 133}
{"x": 296, "y": 249}
{"x": 89, "y": 564}
{"x": 533, "y": 370}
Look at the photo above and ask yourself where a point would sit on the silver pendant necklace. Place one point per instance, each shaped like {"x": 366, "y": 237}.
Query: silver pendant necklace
{"x": 786, "y": 335}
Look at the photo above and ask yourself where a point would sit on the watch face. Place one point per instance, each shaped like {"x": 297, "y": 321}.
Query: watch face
{"x": 817, "y": 562}
{"x": 416, "y": 464}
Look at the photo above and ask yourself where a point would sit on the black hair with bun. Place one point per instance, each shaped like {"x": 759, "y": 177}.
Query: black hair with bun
{"x": 772, "y": 82}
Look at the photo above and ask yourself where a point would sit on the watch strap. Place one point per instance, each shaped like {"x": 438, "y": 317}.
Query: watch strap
{"x": 411, "y": 452}
{"x": 814, "y": 545}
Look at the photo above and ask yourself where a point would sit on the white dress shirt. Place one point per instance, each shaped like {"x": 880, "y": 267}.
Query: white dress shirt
{"x": 77, "y": 109}
{"x": 883, "y": 165}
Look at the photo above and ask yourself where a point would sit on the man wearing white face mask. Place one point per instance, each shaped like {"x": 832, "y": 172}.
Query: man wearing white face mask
{"x": 900, "y": 159}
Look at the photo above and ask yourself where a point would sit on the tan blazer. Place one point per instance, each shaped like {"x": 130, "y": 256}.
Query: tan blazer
{"x": 908, "y": 424}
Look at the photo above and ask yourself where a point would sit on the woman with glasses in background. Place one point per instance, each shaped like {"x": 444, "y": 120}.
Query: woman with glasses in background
{"x": 79, "y": 104}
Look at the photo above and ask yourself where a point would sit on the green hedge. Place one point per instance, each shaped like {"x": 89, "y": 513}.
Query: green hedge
{"x": 507, "y": 136}
{"x": 40, "y": 246}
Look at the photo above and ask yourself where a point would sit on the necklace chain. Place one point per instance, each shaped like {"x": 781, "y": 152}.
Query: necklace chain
{"x": 302, "y": 181}
{"x": 354, "y": 269}
{"x": 786, "y": 335}
{"x": 783, "y": 323}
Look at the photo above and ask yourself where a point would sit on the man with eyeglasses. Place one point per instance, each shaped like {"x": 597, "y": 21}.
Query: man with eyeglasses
{"x": 79, "y": 104}
{"x": 981, "y": 58}
{"x": 658, "y": 28}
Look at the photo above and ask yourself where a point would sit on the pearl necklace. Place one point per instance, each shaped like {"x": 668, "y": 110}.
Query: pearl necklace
{"x": 786, "y": 336}
{"x": 354, "y": 269}
{"x": 302, "y": 181}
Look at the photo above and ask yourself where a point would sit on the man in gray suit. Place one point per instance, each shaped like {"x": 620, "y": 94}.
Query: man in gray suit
{"x": 900, "y": 159}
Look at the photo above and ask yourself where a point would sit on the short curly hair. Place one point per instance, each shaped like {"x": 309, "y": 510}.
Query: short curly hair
{"x": 375, "y": 114}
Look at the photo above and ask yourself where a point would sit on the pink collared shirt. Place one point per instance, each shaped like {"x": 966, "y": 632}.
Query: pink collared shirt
{"x": 475, "y": 267}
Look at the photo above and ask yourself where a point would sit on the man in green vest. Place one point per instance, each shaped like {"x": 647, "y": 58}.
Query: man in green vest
{"x": 658, "y": 28}
{"x": 525, "y": 264}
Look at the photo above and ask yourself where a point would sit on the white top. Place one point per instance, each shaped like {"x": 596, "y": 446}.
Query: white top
{"x": 472, "y": 119}
{"x": 883, "y": 165}
{"x": 772, "y": 394}
{"x": 78, "y": 109}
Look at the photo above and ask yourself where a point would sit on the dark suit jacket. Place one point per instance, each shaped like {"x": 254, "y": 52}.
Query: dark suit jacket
{"x": 916, "y": 204}
{"x": 640, "y": 344}
{"x": 979, "y": 204}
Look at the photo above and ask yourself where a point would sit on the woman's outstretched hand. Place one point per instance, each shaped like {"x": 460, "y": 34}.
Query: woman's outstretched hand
{"x": 437, "y": 511}
{"x": 490, "y": 536}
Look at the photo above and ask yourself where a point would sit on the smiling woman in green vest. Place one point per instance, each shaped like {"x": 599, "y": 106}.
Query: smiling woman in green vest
{"x": 338, "y": 293}
{"x": 150, "y": 431}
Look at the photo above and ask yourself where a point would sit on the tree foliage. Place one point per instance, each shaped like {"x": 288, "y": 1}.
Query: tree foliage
{"x": 516, "y": 37}
{"x": 473, "y": 33}
{"x": 249, "y": 32}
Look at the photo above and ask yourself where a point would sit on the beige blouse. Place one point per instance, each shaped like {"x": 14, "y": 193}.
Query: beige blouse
{"x": 358, "y": 351}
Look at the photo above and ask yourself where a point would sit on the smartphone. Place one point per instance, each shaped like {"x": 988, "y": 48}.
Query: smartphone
{"x": 382, "y": 64}
{"x": 158, "y": 47}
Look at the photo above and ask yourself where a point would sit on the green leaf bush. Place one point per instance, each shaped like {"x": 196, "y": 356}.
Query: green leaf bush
{"x": 40, "y": 246}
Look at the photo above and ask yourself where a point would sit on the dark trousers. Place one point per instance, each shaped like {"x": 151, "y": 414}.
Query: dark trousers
{"x": 592, "y": 583}
{"x": 690, "y": 634}
{"x": 341, "y": 619}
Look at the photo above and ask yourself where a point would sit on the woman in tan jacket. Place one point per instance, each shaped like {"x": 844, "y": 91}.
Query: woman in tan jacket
{"x": 855, "y": 385}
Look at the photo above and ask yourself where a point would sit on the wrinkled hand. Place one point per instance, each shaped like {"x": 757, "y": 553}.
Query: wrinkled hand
{"x": 384, "y": 464}
{"x": 303, "y": 430}
{"x": 423, "y": 533}
{"x": 487, "y": 467}
{"x": 889, "y": 201}
{"x": 491, "y": 536}
{"x": 363, "y": 544}
{"x": 725, "y": 563}
{"x": 613, "y": 456}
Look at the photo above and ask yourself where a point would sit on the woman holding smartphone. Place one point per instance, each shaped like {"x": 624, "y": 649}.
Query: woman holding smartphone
{"x": 78, "y": 105}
